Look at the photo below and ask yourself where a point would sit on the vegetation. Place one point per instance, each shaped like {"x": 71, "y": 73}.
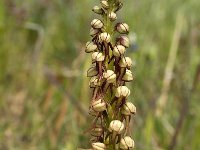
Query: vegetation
{"x": 44, "y": 94}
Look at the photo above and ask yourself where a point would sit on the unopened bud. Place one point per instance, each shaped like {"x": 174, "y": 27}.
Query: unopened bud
{"x": 112, "y": 16}
{"x": 128, "y": 76}
{"x": 110, "y": 76}
{"x": 99, "y": 105}
{"x": 122, "y": 91}
{"x": 105, "y": 4}
{"x": 94, "y": 32}
{"x": 123, "y": 40}
{"x": 96, "y": 23}
{"x": 97, "y": 10}
{"x": 118, "y": 50}
{"x": 125, "y": 62}
{"x": 98, "y": 146}
{"x": 95, "y": 81}
{"x": 104, "y": 37}
{"x": 90, "y": 47}
{"x": 97, "y": 56}
{"x": 122, "y": 28}
{"x": 128, "y": 109}
{"x": 92, "y": 71}
{"x": 126, "y": 143}
{"x": 97, "y": 131}
{"x": 116, "y": 126}
{"x": 118, "y": 7}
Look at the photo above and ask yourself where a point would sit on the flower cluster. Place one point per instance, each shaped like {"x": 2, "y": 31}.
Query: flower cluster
{"x": 109, "y": 72}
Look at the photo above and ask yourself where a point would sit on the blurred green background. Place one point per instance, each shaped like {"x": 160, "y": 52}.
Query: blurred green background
{"x": 44, "y": 93}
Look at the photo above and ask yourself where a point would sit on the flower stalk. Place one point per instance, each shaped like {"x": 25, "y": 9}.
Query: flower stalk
{"x": 108, "y": 74}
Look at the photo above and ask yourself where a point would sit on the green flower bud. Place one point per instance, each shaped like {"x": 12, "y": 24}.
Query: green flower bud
{"x": 116, "y": 126}
{"x": 125, "y": 62}
{"x": 98, "y": 146}
{"x": 122, "y": 28}
{"x": 122, "y": 91}
{"x": 128, "y": 76}
{"x": 90, "y": 47}
{"x": 123, "y": 40}
{"x": 92, "y": 71}
{"x": 104, "y": 37}
{"x": 94, "y": 32}
{"x": 97, "y": 56}
{"x": 112, "y": 16}
{"x": 96, "y": 23}
{"x": 99, "y": 105}
{"x": 97, "y": 10}
{"x": 105, "y": 4}
{"x": 118, "y": 50}
{"x": 126, "y": 143}
{"x": 128, "y": 109}
{"x": 95, "y": 82}
{"x": 110, "y": 76}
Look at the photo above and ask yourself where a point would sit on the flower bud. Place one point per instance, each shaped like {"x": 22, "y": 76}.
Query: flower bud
{"x": 90, "y": 47}
{"x": 128, "y": 76}
{"x": 98, "y": 146}
{"x": 97, "y": 131}
{"x": 118, "y": 7}
{"x": 97, "y": 10}
{"x": 104, "y": 37}
{"x": 92, "y": 71}
{"x": 95, "y": 81}
{"x": 118, "y": 50}
{"x": 126, "y": 143}
{"x": 99, "y": 105}
{"x": 110, "y": 76}
{"x": 116, "y": 126}
{"x": 94, "y": 32}
{"x": 105, "y": 4}
{"x": 97, "y": 56}
{"x": 112, "y": 16}
{"x": 123, "y": 40}
{"x": 128, "y": 109}
{"x": 122, "y": 28}
{"x": 122, "y": 91}
{"x": 125, "y": 62}
{"x": 96, "y": 23}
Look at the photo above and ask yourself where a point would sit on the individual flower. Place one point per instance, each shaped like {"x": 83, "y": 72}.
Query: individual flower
{"x": 128, "y": 109}
{"x": 122, "y": 91}
{"x": 126, "y": 143}
{"x": 122, "y": 28}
